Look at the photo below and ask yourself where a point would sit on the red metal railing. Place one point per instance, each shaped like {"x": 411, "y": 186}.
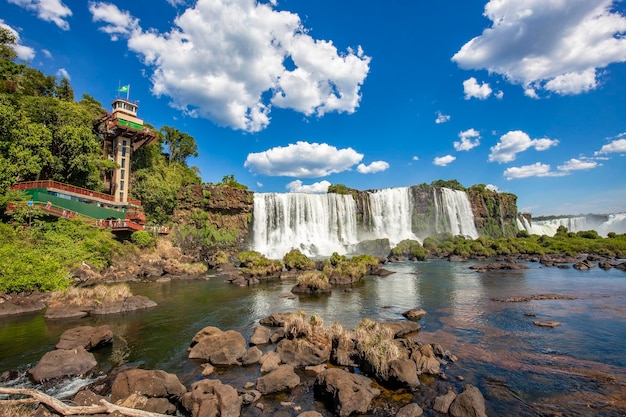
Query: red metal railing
{"x": 27, "y": 185}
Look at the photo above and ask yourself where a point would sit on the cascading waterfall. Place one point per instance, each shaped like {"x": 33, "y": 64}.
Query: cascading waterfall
{"x": 456, "y": 207}
{"x": 603, "y": 224}
{"x": 320, "y": 224}
{"x": 315, "y": 224}
{"x": 391, "y": 210}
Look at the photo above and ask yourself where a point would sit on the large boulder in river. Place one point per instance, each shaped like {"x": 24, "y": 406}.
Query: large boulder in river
{"x": 86, "y": 336}
{"x": 302, "y": 352}
{"x": 260, "y": 336}
{"x": 281, "y": 379}
{"x": 210, "y": 397}
{"x": 155, "y": 390}
{"x": 345, "y": 392}
{"x": 132, "y": 303}
{"x": 218, "y": 347}
{"x": 470, "y": 403}
{"x": 61, "y": 363}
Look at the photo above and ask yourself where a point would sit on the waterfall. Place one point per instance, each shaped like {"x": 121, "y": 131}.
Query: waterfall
{"x": 391, "y": 210}
{"x": 313, "y": 223}
{"x": 523, "y": 224}
{"x": 603, "y": 224}
{"x": 456, "y": 208}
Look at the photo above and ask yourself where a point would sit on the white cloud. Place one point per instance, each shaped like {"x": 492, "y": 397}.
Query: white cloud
{"x": 49, "y": 10}
{"x": 442, "y": 118}
{"x": 303, "y": 159}
{"x": 315, "y": 188}
{"x": 492, "y": 187}
{"x": 62, "y": 73}
{"x": 472, "y": 89}
{"x": 552, "y": 45}
{"x": 231, "y": 61}
{"x": 469, "y": 140}
{"x": 499, "y": 94}
{"x": 442, "y": 161}
{"x": 415, "y": 158}
{"x": 376, "y": 166}
{"x": 515, "y": 142}
{"x": 23, "y": 52}
{"x": 577, "y": 165}
{"x": 535, "y": 170}
{"x": 47, "y": 53}
{"x": 615, "y": 146}
{"x": 259, "y": 184}
{"x": 175, "y": 3}
{"x": 531, "y": 92}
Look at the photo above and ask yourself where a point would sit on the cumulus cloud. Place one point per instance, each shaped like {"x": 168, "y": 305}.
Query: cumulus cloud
{"x": 303, "y": 159}
{"x": 442, "y": 118}
{"x": 49, "y": 10}
{"x": 62, "y": 73}
{"x": 315, "y": 188}
{"x": 499, "y": 94}
{"x": 551, "y": 45}
{"x": 415, "y": 158}
{"x": 376, "y": 166}
{"x": 231, "y": 61}
{"x": 577, "y": 165}
{"x": 515, "y": 142}
{"x": 469, "y": 140}
{"x": 492, "y": 187}
{"x": 615, "y": 146}
{"x": 442, "y": 161}
{"x": 472, "y": 89}
{"x": 23, "y": 52}
{"x": 535, "y": 170}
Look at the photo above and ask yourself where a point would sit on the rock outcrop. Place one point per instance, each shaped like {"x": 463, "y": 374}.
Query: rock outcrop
{"x": 346, "y": 393}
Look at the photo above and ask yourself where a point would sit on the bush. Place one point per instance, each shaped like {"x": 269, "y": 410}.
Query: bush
{"x": 295, "y": 259}
{"x": 314, "y": 281}
{"x": 142, "y": 239}
{"x": 255, "y": 264}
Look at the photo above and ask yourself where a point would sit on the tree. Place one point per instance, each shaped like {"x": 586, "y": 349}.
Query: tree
{"x": 230, "y": 181}
{"x": 7, "y": 41}
{"x": 64, "y": 90}
{"x": 180, "y": 146}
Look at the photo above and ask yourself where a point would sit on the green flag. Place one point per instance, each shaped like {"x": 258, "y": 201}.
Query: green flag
{"x": 123, "y": 89}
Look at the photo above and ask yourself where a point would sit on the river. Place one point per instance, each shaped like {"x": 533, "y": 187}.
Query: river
{"x": 577, "y": 368}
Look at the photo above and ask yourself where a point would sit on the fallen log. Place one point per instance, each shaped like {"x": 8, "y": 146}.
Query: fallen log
{"x": 69, "y": 410}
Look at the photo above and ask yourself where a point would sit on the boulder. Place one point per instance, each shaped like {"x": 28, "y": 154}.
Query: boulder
{"x": 210, "y": 397}
{"x": 132, "y": 303}
{"x": 281, "y": 379}
{"x": 63, "y": 363}
{"x": 414, "y": 314}
{"x": 546, "y": 323}
{"x": 470, "y": 403}
{"x": 426, "y": 361}
{"x": 269, "y": 362}
{"x": 410, "y": 410}
{"x": 301, "y": 352}
{"x": 310, "y": 414}
{"x": 86, "y": 336}
{"x": 66, "y": 312}
{"x": 403, "y": 372}
{"x": 442, "y": 402}
{"x": 402, "y": 328}
{"x": 260, "y": 336}
{"x": 14, "y": 304}
{"x": 218, "y": 347}
{"x": 498, "y": 266}
{"x": 275, "y": 319}
{"x": 252, "y": 356}
{"x": 345, "y": 392}
{"x": 150, "y": 390}
{"x": 343, "y": 351}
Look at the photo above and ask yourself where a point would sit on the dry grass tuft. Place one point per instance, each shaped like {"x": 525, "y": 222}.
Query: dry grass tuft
{"x": 16, "y": 410}
{"x": 85, "y": 296}
{"x": 315, "y": 281}
{"x": 375, "y": 344}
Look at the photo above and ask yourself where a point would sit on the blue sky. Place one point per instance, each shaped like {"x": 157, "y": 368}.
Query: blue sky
{"x": 526, "y": 95}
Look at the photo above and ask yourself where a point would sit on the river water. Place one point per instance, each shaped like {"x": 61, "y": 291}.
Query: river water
{"x": 575, "y": 369}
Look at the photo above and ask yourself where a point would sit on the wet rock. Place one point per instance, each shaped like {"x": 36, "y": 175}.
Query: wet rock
{"x": 546, "y": 323}
{"x": 278, "y": 335}
{"x": 269, "y": 362}
{"x": 343, "y": 351}
{"x": 410, "y": 410}
{"x": 442, "y": 403}
{"x": 302, "y": 352}
{"x": 315, "y": 370}
{"x": 310, "y": 414}
{"x": 252, "y": 356}
{"x": 86, "y": 336}
{"x": 218, "y": 347}
{"x": 11, "y": 305}
{"x": 346, "y": 393}
{"x": 521, "y": 299}
{"x": 260, "y": 336}
{"x": 414, "y": 314}
{"x": 150, "y": 390}
{"x": 470, "y": 403}
{"x": 281, "y": 379}
{"x": 66, "y": 312}
{"x": 61, "y": 363}
{"x": 207, "y": 369}
{"x": 135, "y": 302}
{"x": 426, "y": 361}
{"x": 498, "y": 266}
{"x": 276, "y": 319}
{"x": 210, "y": 397}
{"x": 403, "y": 372}
{"x": 402, "y": 328}
{"x": 584, "y": 265}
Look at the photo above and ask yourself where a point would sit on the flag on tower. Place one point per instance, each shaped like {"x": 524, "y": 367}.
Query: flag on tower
{"x": 124, "y": 88}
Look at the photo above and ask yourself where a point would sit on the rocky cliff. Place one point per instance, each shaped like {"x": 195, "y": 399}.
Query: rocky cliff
{"x": 494, "y": 213}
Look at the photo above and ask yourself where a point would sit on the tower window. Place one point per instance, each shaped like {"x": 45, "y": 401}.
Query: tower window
{"x": 121, "y": 185}
{"x": 122, "y": 174}
{"x": 123, "y": 162}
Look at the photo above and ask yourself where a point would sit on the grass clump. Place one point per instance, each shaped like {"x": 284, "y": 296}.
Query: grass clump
{"x": 295, "y": 259}
{"x": 410, "y": 249}
{"x": 86, "y": 296}
{"x": 313, "y": 281}
{"x": 376, "y": 346}
{"x": 254, "y": 264}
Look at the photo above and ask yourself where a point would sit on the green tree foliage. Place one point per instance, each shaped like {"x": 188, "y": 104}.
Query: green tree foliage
{"x": 453, "y": 184}
{"x": 7, "y": 43}
{"x": 142, "y": 239}
{"x": 338, "y": 189}
{"x": 179, "y": 145}
{"x": 230, "y": 181}
{"x": 295, "y": 259}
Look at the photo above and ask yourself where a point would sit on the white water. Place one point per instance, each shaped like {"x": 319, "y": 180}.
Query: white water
{"x": 615, "y": 223}
{"x": 391, "y": 211}
{"x": 320, "y": 224}
{"x": 456, "y": 206}
{"x": 313, "y": 223}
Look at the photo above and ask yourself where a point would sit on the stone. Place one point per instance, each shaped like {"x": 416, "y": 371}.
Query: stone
{"x": 209, "y": 397}
{"x": 275, "y": 319}
{"x": 86, "y": 336}
{"x": 252, "y": 356}
{"x": 315, "y": 370}
{"x": 403, "y": 372}
{"x": 310, "y": 414}
{"x": 426, "y": 361}
{"x": 150, "y": 390}
{"x": 207, "y": 369}
{"x": 442, "y": 402}
{"x": 281, "y": 379}
{"x": 218, "y": 347}
{"x": 470, "y": 403}
{"x": 302, "y": 352}
{"x": 414, "y": 314}
{"x": 260, "y": 336}
{"x": 410, "y": 410}
{"x": 61, "y": 363}
{"x": 269, "y": 362}
{"x": 66, "y": 312}
{"x": 546, "y": 323}
{"x": 402, "y": 328}
{"x": 133, "y": 303}
{"x": 343, "y": 351}
{"x": 345, "y": 392}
